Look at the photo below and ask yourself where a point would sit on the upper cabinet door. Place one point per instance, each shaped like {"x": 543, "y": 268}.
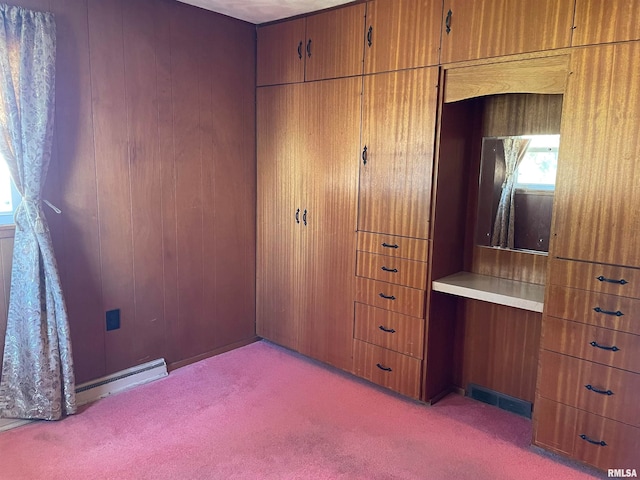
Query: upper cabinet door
{"x": 598, "y": 21}
{"x": 281, "y": 53}
{"x": 334, "y": 43}
{"x": 402, "y": 34}
{"x": 596, "y": 214}
{"x": 398, "y": 132}
{"x": 491, "y": 28}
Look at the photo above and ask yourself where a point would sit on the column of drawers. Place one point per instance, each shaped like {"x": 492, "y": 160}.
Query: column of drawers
{"x": 389, "y": 325}
{"x": 589, "y": 379}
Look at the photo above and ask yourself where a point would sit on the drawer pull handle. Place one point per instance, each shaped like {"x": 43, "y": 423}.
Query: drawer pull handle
{"x": 596, "y": 344}
{"x": 392, "y": 270}
{"x": 601, "y": 392}
{"x": 617, "y": 313}
{"x": 605, "y": 279}
{"x": 388, "y": 297}
{"x": 602, "y": 443}
{"x": 388, "y": 330}
{"x": 386, "y": 369}
{"x": 387, "y": 245}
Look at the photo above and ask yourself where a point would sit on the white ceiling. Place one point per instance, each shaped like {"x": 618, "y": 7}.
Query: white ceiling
{"x": 261, "y": 11}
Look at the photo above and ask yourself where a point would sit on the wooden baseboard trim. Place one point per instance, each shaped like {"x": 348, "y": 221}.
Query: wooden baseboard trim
{"x": 183, "y": 363}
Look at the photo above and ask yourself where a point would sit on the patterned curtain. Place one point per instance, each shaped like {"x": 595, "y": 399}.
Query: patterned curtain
{"x": 503, "y": 226}
{"x": 37, "y": 368}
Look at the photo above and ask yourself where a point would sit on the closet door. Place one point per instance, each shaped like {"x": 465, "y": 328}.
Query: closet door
{"x": 330, "y": 165}
{"x": 491, "y": 28}
{"x": 604, "y": 22}
{"x": 334, "y": 43}
{"x": 596, "y": 215}
{"x": 398, "y": 133}
{"x": 402, "y": 34}
{"x": 281, "y": 53}
{"x": 279, "y": 198}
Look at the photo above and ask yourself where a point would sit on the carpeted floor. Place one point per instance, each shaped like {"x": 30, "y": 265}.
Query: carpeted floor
{"x": 262, "y": 412}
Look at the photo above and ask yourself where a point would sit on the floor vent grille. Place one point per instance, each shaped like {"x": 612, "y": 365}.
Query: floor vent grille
{"x": 500, "y": 400}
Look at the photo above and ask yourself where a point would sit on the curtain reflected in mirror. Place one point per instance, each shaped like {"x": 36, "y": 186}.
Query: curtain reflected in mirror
{"x": 517, "y": 182}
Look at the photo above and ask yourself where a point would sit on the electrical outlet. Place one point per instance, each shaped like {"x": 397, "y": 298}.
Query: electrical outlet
{"x": 113, "y": 319}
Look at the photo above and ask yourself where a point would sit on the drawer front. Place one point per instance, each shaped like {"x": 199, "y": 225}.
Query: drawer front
{"x": 400, "y": 333}
{"x": 392, "y": 269}
{"x": 596, "y": 277}
{"x": 600, "y": 345}
{"x": 598, "y": 309}
{"x": 577, "y": 382}
{"x": 408, "y": 301}
{"x": 562, "y": 428}
{"x": 393, "y": 370}
{"x": 393, "y": 246}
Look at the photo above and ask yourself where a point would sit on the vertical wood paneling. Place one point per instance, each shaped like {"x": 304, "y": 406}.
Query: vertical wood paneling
{"x": 145, "y": 178}
{"x": 77, "y": 242}
{"x": 113, "y": 175}
{"x": 154, "y": 140}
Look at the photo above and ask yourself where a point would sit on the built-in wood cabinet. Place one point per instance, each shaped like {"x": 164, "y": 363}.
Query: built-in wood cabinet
{"x": 402, "y": 34}
{"x": 307, "y": 183}
{"x": 597, "y": 21}
{"x": 281, "y": 53}
{"x": 322, "y": 46}
{"x": 491, "y": 28}
{"x": 398, "y": 135}
{"x": 596, "y": 215}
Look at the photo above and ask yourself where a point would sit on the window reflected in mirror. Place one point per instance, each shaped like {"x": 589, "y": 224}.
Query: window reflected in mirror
{"x": 515, "y": 200}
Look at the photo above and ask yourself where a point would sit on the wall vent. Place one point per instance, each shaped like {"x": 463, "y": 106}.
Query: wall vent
{"x": 500, "y": 400}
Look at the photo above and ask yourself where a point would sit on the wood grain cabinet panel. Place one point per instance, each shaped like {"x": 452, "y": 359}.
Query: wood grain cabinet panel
{"x": 393, "y": 370}
{"x": 600, "y": 345}
{"x": 491, "y": 28}
{"x": 400, "y": 333}
{"x": 608, "y": 311}
{"x": 408, "y": 301}
{"x": 599, "y": 389}
{"x": 596, "y": 217}
{"x": 402, "y": 34}
{"x": 392, "y": 246}
{"x": 399, "y": 114}
{"x": 334, "y": 43}
{"x": 281, "y": 53}
{"x": 578, "y": 434}
{"x": 607, "y": 279}
{"x": 392, "y": 269}
{"x": 597, "y": 21}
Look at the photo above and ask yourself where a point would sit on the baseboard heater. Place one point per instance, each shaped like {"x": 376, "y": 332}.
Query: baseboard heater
{"x": 108, "y": 385}
{"x": 500, "y": 400}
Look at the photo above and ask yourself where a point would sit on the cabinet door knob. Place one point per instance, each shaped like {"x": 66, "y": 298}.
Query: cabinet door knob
{"x": 447, "y": 22}
{"x": 595, "y": 390}
{"x": 309, "y": 48}
{"x": 617, "y": 313}
{"x": 369, "y": 35}
{"x": 298, "y": 216}
{"x": 386, "y": 369}
{"x": 602, "y": 443}
{"x": 300, "y": 50}
{"x": 604, "y": 347}
{"x": 622, "y": 281}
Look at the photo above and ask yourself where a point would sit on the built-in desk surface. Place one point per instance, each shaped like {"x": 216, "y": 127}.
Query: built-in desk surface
{"x": 512, "y": 293}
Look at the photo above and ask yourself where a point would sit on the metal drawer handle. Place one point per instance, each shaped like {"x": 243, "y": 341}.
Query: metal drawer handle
{"x": 601, "y": 392}
{"x": 605, "y": 279}
{"x": 603, "y": 347}
{"x": 388, "y": 330}
{"x": 392, "y": 270}
{"x": 388, "y": 245}
{"x": 388, "y": 297}
{"x": 617, "y": 313}
{"x": 602, "y": 443}
{"x": 386, "y": 369}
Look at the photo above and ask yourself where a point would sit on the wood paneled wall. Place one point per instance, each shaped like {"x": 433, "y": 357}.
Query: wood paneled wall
{"x": 154, "y": 170}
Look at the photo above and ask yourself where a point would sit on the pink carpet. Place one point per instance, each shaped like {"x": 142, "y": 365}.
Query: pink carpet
{"x": 262, "y": 412}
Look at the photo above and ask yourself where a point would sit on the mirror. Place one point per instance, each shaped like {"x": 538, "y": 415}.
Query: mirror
{"x": 515, "y": 198}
